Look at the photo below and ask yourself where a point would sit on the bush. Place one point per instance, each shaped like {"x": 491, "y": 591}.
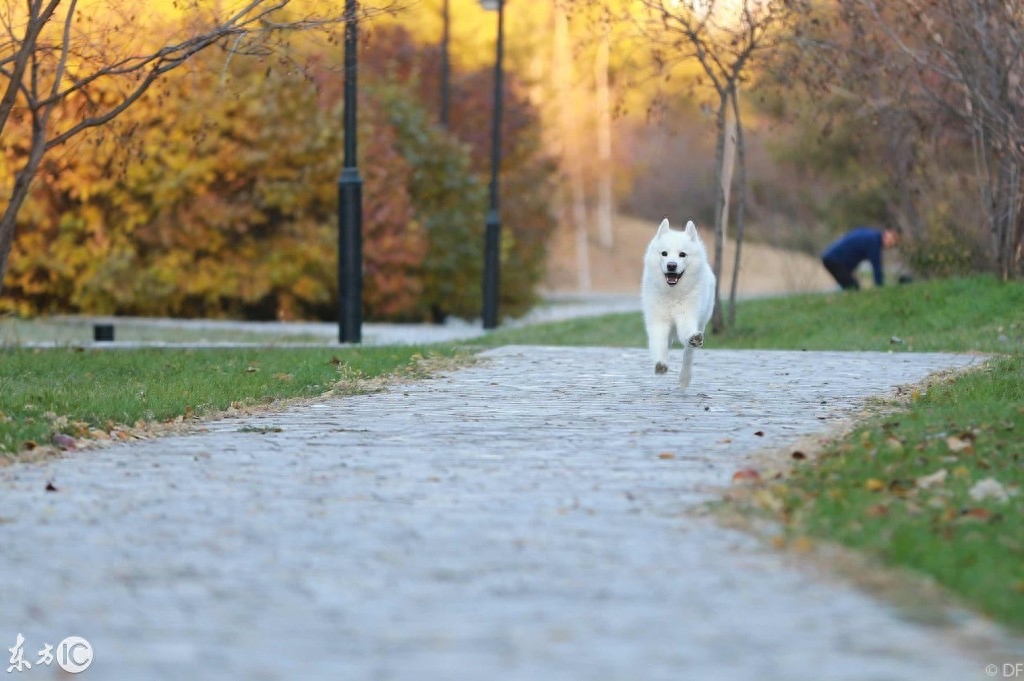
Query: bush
{"x": 945, "y": 249}
{"x": 527, "y": 175}
{"x": 450, "y": 202}
{"x": 224, "y": 204}
{"x": 216, "y": 196}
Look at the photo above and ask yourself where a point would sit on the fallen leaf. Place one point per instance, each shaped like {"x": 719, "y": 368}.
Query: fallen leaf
{"x": 28, "y": 445}
{"x": 64, "y": 441}
{"x": 893, "y": 444}
{"x": 933, "y": 479}
{"x": 901, "y": 487}
{"x": 798, "y": 455}
{"x": 801, "y": 544}
{"x": 957, "y": 444}
{"x": 877, "y": 511}
{"x": 768, "y": 501}
{"x": 746, "y": 475}
{"x": 666, "y": 455}
{"x": 979, "y": 514}
{"x": 989, "y": 488}
{"x": 874, "y": 485}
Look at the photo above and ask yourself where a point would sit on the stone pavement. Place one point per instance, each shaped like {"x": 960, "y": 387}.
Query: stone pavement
{"x": 512, "y": 520}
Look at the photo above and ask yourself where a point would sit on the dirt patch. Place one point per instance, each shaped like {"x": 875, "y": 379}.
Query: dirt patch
{"x": 764, "y": 269}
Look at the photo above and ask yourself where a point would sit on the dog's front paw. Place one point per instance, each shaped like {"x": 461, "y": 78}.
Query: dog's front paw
{"x": 660, "y": 368}
{"x": 696, "y": 340}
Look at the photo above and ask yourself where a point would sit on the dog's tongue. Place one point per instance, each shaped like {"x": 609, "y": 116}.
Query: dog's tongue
{"x": 672, "y": 278}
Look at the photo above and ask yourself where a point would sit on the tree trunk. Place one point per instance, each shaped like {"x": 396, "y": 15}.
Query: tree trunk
{"x": 741, "y": 153}
{"x": 1005, "y": 208}
{"x": 717, "y": 319}
{"x": 605, "y": 209}
{"x": 19, "y": 192}
{"x": 570, "y": 147}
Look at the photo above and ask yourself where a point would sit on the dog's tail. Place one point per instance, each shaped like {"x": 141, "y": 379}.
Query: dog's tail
{"x": 686, "y": 372}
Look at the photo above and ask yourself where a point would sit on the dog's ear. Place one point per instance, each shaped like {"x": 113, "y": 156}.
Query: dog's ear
{"x": 663, "y": 227}
{"x": 691, "y": 230}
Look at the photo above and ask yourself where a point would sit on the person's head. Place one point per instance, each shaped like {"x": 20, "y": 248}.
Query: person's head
{"x": 890, "y": 237}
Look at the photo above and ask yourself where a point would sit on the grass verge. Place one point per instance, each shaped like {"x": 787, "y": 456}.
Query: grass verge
{"x": 934, "y": 486}
{"x": 103, "y": 393}
{"x": 958, "y": 315}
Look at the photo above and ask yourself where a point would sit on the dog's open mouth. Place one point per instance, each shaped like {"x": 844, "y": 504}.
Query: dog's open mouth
{"x": 672, "y": 278}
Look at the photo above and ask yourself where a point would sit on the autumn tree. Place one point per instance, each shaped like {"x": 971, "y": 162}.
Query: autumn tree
{"x": 728, "y": 38}
{"x": 960, "y": 61}
{"x": 93, "y": 58}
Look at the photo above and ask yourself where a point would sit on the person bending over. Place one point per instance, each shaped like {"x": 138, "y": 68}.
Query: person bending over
{"x": 846, "y": 253}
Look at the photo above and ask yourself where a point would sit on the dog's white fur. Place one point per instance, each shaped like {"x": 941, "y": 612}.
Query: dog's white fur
{"x": 684, "y": 308}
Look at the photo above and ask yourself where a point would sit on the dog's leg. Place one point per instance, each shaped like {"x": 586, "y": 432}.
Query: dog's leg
{"x": 688, "y": 330}
{"x": 686, "y": 373}
{"x": 688, "y": 333}
{"x": 658, "y": 338}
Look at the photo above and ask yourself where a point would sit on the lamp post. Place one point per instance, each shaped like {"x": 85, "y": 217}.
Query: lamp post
{"x": 492, "y": 236}
{"x": 350, "y": 200}
{"x": 445, "y": 65}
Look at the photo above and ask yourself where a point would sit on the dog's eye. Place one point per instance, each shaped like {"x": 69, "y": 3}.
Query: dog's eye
{"x": 664, "y": 254}
{"x": 681, "y": 254}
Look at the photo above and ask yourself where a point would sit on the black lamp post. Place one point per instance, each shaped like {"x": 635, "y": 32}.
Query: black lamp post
{"x": 492, "y": 237}
{"x": 445, "y": 65}
{"x": 350, "y": 200}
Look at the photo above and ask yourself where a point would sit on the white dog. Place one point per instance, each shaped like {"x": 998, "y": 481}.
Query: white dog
{"x": 678, "y": 294}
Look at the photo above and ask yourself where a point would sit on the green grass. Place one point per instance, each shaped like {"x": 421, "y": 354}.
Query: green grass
{"x": 45, "y": 392}
{"x": 863, "y": 491}
{"x": 976, "y": 314}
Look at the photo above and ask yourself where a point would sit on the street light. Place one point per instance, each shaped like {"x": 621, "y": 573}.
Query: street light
{"x": 350, "y": 200}
{"x": 492, "y": 236}
{"x": 445, "y": 65}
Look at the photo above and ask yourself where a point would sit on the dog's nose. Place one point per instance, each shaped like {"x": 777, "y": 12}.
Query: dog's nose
{"x": 671, "y": 267}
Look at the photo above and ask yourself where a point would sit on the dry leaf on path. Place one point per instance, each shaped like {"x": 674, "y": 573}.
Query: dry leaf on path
{"x": 933, "y": 479}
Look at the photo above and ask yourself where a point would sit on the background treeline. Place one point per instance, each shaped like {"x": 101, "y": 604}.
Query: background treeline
{"x": 216, "y": 195}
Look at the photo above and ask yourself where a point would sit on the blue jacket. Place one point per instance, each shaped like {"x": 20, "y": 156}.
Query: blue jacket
{"x": 856, "y": 246}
